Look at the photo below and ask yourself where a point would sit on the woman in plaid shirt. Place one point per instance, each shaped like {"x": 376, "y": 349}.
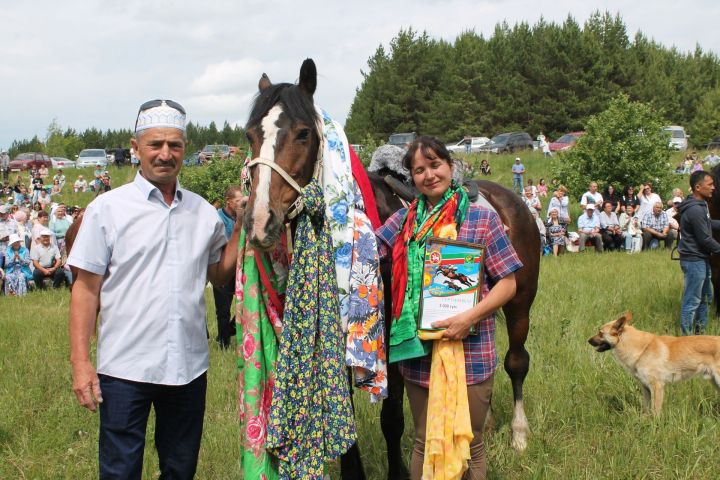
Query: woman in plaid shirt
{"x": 430, "y": 165}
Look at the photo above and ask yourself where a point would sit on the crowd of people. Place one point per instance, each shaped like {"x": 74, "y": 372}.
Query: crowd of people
{"x": 33, "y": 224}
{"x": 612, "y": 220}
{"x": 32, "y": 243}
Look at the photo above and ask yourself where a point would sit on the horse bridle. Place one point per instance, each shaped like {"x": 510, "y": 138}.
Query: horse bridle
{"x": 297, "y": 206}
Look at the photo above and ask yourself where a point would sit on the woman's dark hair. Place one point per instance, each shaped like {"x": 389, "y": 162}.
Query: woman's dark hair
{"x": 426, "y": 145}
{"x": 627, "y": 189}
{"x": 606, "y": 203}
{"x": 42, "y": 213}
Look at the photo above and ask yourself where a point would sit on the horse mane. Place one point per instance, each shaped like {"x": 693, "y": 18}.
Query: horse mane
{"x": 297, "y": 104}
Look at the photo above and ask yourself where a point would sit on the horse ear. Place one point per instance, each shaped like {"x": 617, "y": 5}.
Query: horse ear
{"x": 308, "y": 77}
{"x": 264, "y": 82}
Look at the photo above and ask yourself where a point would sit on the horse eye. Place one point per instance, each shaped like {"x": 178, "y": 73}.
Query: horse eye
{"x": 249, "y": 137}
{"x": 303, "y": 135}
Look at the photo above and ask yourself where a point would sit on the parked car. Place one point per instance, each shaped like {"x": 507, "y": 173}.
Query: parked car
{"x": 357, "y": 147}
{"x": 461, "y": 146}
{"x": 60, "y": 162}
{"x": 210, "y": 152}
{"x": 566, "y": 142}
{"x": 91, "y": 157}
{"x": 25, "y": 161}
{"x": 713, "y": 144}
{"x": 678, "y": 137}
{"x": 402, "y": 139}
{"x": 508, "y": 142}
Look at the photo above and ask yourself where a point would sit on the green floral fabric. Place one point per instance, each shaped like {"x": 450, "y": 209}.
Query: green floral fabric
{"x": 311, "y": 419}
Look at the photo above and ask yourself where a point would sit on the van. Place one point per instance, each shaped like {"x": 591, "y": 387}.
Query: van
{"x": 678, "y": 138}
{"x": 402, "y": 139}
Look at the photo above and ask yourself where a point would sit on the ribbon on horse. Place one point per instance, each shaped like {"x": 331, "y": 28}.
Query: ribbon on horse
{"x": 259, "y": 325}
{"x": 311, "y": 418}
{"x": 357, "y": 266}
{"x": 339, "y": 195}
{"x": 366, "y": 190}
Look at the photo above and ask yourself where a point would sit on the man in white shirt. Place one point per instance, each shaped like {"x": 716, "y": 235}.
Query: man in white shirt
{"x": 80, "y": 184}
{"x": 589, "y": 228}
{"x": 592, "y": 196}
{"x": 712, "y": 159}
{"x": 145, "y": 252}
{"x": 47, "y": 261}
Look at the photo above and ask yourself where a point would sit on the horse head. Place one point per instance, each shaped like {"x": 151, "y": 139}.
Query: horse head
{"x": 284, "y": 135}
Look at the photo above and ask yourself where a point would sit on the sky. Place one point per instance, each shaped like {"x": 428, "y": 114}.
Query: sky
{"x": 91, "y": 63}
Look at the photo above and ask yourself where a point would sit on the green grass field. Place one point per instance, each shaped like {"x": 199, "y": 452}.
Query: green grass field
{"x": 585, "y": 412}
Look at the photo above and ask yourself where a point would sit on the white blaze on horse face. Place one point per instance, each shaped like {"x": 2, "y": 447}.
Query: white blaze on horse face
{"x": 261, "y": 209}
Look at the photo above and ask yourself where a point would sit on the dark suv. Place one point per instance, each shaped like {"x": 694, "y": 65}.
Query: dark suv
{"x": 25, "y": 161}
{"x": 508, "y": 142}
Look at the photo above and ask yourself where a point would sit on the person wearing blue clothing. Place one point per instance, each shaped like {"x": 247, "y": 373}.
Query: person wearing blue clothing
{"x": 695, "y": 246}
{"x": 518, "y": 170}
{"x": 589, "y": 228}
{"x": 17, "y": 267}
{"x": 224, "y": 294}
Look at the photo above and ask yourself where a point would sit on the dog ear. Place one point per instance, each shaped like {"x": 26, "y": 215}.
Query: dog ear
{"x": 620, "y": 323}
{"x": 628, "y": 317}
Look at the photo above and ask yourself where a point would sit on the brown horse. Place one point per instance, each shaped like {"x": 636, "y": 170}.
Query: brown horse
{"x": 714, "y": 210}
{"x": 284, "y": 136}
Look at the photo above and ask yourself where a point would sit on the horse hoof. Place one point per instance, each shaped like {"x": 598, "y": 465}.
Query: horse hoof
{"x": 519, "y": 442}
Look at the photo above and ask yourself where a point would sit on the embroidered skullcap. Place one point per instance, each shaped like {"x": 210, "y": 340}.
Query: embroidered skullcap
{"x": 162, "y": 116}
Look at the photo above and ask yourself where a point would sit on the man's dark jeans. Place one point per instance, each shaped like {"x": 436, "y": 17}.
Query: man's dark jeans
{"x": 179, "y": 412}
{"x": 58, "y": 278}
{"x": 223, "y": 302}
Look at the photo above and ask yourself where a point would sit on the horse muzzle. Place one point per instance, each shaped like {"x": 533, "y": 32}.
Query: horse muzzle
{"x": 263, "y": 228}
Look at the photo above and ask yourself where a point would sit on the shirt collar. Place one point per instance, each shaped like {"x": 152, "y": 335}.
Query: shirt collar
{"x": 146, "y": 188}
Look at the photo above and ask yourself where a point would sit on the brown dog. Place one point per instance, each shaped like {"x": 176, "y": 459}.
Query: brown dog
{"x": 656, "y": 360}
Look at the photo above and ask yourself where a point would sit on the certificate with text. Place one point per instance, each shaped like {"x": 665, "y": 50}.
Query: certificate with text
{"x": 452, "y": 279}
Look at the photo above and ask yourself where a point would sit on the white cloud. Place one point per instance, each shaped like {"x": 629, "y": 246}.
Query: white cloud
{"x": 227, "y": 76}
{"x": 91, "y": 63}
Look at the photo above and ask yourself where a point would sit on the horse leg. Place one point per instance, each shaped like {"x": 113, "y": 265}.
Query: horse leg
{"x": 392, "y": 423}
{"x": 351, "y": 467}
{"x": 517, "y": 364}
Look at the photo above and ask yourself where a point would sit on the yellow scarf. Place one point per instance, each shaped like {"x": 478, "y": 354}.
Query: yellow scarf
{"x": 449, "y": 432}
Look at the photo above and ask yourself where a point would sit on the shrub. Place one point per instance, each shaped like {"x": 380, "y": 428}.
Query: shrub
{"x": 624, "y": 145}
{"x": 212, "y": 180}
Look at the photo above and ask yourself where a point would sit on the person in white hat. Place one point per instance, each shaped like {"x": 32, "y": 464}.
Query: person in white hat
{"x": 17, "y": 266}
{"x": 672, "y": 214}
{"x": 144, "y": 253}
{"x": 47, "y": 261}
{"x": 5, "y": 221}
{"x": 589, "y": 228}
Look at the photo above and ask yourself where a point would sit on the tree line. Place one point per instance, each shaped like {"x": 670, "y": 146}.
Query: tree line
{"x": 67, "y": 142}
{"x": 546, "y": 77}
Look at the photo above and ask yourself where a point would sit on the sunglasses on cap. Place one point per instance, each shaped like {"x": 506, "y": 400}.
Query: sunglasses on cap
{"x": 158, "y": 102}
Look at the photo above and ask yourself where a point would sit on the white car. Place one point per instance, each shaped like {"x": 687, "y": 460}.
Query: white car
{"x": 91, "y": 157}
{"x": 60, "y": 162}
{"x": 678, "y": 137}
{"x": 461, "y": 146}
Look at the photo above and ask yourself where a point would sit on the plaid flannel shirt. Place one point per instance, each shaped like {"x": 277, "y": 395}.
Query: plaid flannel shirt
{"x": 657, "y": 223}
{"x": 481, "y": 226}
